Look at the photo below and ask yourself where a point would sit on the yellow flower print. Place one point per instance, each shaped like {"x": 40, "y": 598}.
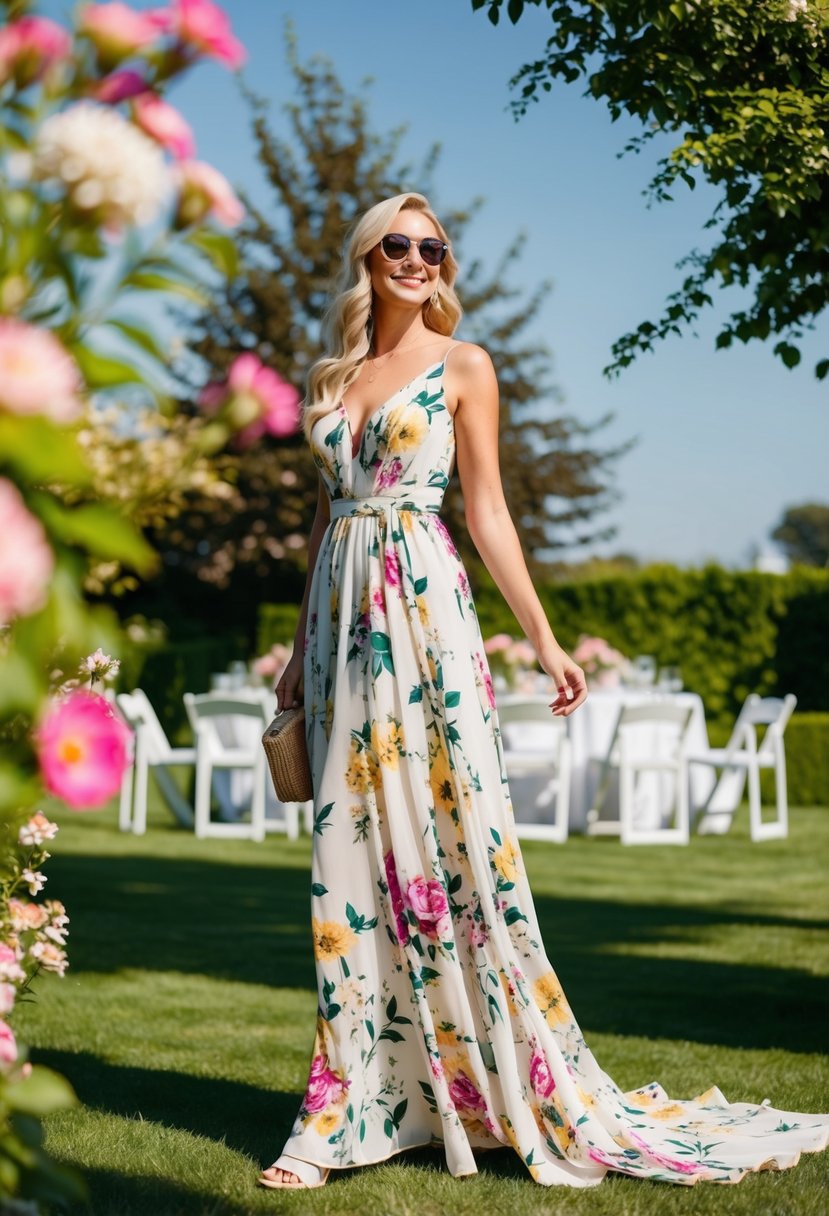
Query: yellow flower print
{"x": 445, "y": 1036}
{"x": 387, "y": 742}
{"x": 440, "y": 779}
{"x": 505, "y": 861}
{"x": 364, "y": 600}
{"x": 407, "y": 520}
{"x": 422, "y": 610}
{"x": 363, "y": 772}
{"x": 551, "y": 1000}
{"x": 334, "y": 601}
{"x": 586, "y": 1099}
{"x": 325, "y": 1124}
{"x": 667, "y": 1112}
{"x": 331, "y": 940}
{"x": 406, "y": 428}
{"x": 329, "y": 717}
{"x": 433, "y": 670}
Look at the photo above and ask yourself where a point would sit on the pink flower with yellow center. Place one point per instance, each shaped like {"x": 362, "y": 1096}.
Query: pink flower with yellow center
{"x": 164, "y": 124}
{"x": 83, "y": 750}
{"x": 205, "y": 28}
{"x": 29, "y": 47}
{"x": 204, "y": 191}
{"x": 26, "y": 560}
{"x": 37, "y": 376}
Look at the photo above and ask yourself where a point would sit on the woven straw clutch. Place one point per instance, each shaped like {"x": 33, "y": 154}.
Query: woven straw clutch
{"x": 287, "y": 754}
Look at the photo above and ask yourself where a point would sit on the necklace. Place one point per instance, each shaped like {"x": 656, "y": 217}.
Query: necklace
{"x": 389, "y": 355}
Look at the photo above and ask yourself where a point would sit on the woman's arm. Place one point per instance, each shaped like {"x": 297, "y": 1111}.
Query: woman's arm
{"x": 473, "y": 383}
{"x": 290, "y": 687}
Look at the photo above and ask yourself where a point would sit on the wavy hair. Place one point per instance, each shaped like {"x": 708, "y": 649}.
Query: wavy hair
{"x": 347, "y": 325}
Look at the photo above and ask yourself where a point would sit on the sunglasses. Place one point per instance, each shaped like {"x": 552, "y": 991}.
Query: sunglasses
{"x": 395, "y": 246}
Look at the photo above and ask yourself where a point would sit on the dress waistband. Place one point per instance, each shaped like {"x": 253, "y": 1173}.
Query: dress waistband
{"x": 381, "y": 504}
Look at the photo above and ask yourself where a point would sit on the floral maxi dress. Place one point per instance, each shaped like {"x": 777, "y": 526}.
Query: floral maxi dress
{"x": 440, "y": 1017}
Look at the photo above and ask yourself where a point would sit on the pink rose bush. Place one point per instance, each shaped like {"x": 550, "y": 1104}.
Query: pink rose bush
{"x": 26, "y": 559}
{"x": 272, "y": 664}
{"x": 29, "y": 47}
{"x": 37, "y": 375}
{"x": 83, "y": 749}
{"x": 598, "y": 659}
{"x": 118, "y": 31}
{"x": 255, "y": 399}
{"x": 158, "y": 119}
{"x": 325, "y": 1087}
{"x": 513, "y": 659}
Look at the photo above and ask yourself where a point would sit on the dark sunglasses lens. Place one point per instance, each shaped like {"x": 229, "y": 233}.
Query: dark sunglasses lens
{"x": 395, "y": 247}
{"x": 432, "y": 252}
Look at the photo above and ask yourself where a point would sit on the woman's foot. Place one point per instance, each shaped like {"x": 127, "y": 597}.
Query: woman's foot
{"x": 290, "y": 1173}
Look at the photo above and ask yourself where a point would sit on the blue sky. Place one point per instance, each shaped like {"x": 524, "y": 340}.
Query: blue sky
{"x": 727, "y": 439}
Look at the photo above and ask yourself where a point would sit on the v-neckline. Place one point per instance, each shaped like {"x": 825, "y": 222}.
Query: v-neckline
{"x": 355, "y": 451}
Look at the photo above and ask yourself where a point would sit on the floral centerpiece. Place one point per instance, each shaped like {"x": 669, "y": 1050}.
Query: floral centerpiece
{"x": 270, "y": 666}
{"x": 513, "y": 662}
{"x": 600, "y": 662}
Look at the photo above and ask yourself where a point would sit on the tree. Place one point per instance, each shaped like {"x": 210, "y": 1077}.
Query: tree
{"x": 331, "y": 168}
{"x": 744, "y": 85}
{"x": 803, "y": 534}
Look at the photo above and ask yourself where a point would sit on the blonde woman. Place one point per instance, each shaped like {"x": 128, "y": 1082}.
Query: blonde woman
{"x": 441, "y": 1019}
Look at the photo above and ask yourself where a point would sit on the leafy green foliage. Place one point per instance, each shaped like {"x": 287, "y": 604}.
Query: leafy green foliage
{"x": 745, "y": 87}
{"x": 803, "y": 534}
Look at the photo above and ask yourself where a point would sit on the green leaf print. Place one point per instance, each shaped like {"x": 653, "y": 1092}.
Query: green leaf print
{"x": 452, "y": 699}
{"x": 514, "y": 914}
{"x": 495, "y": 836}
{"x": 318, "y": 889}
{"x": 420, "y": 585}
{"x": 321, "y": 816}
{"x": 429, "y": 975}
{"x": 429, "y": 1096}
{"x": 416, "y": 694}
{"x": 358, "y": 923}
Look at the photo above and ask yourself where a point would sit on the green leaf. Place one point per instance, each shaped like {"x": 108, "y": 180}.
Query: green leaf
{"x": 452, "y": 699}
{"x": 416, "y": 694}
{"x": 318, "y": 889}
{"x": 822, "y": 369}
{"x": 150, "y": 281}
{"x": 788, "y": 353}
{"x": 220, "y": 249}
{"x": 42, "y": 451}
{"x": 99, "y": 530}
{"x": 420, "y": 585}
{"x": 380, "y": 642}
{"x": 101, "y": 371}
{"x": 141, "y": 337}
{"x": 42, "y": 1092}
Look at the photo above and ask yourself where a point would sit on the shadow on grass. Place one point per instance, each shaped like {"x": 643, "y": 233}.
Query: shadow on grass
{"x": 251, "y": 924}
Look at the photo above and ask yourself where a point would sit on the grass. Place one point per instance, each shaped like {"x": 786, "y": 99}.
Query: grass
{"x": 186, "y": 1018}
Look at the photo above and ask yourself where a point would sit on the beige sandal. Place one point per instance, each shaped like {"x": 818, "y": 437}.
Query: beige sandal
{"x": 307, "y": 1175}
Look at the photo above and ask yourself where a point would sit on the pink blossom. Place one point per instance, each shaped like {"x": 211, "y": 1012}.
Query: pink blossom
{"x": 429, "y": 903}
{"x": 7, "y": 994}
{"x": 29, "y": 47}
{"x": 10, "y": 969}
{"x": 669, "y": 1163}
{"x": 37, "y": 376}
{"x": 119, "y": 86}
{"x": 25, "y": 915}
{"x": 8, "y": 1045}
{"x": 203, "y": 26}
{"x": 261, "y": 388}
{"x": 26, "y": 561}
{"x": 390, "y": 475}
{"x": 118, "y": 31}
{"x": 392, "y": 568}
{"x": 476, "y": 932}
{"x": 396, "y": 898}
{"x": 204, "y": 191}
{"x": 164, "y": 124}
{"x": 49, "y": 956}
{"x": 541, "y": 1077}
{"x": 463, "y": 584}
{"x": 36, "y": 831}
{"x": 83, "y": 750}
{"x": 486, "y": 677}
{"x": 464, "y": 1093}
{"x": 378, "y": 599}
{"x": 324, "y": 1086}
{"x": 521, "y": 652}
{"x": 447, "y": 539}
{"x": 498, "y": 641}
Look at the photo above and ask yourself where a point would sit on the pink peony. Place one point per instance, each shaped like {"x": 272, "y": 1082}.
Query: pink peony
{"x": 8, "y": 1045}
{"x": 396, "y": 898}
{"x": 119, "y": 86}
{"x": 324, "y": 1086}
{"x": 256, "y": 387}
{"x": 203, "y": 26}
{"x": 29, "y": 47}
{"x": 37, "y": 376}
{"x": 26, "y": 560}
{"x": 83, "y": 750}
{"x": 204, "y": 191}
{"x": 430, "y": 905}
{"x": 390, "y": 475}
{"x": 464, "y": 1093}
{"x": 118, "y": 31}
{"x": 164, "y": 124}
{"x": 541, "y": 1077}
{"x": 392, "y": 568}
{"x": 7, "y": 994}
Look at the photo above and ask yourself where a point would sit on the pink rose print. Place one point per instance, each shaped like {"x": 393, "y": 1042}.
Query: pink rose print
{"x": 428, "y": 901}
{"x": 463, "y": 584}
{"x": 390, "y": 475}
{"x": 541, "y": 1078}
{"x": 486, "y": 677}
{"x": 464, "y": 1094}
{"x": 392, "y": 568}
{"x": 396, "y": 898}
{"x": 447, "y": 539}
{"x": 669, "y": 1163}
{"x": 324, "y": 1086}
{"x": 379, "y": 600}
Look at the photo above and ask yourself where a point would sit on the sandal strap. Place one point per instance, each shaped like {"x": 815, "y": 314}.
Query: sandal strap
{"x": 306, "y": 1171}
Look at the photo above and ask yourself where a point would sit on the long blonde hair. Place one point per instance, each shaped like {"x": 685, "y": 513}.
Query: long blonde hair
{"x": 347, "y": 323}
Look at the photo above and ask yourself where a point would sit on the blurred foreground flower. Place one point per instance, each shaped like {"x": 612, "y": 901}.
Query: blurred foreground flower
{"x": 26, "y": 560}
{"x": 37, "y": 376}
{"x": 111, "y": 170}
{"x": 83, "y": 750}
{"x": 29, "y": 47}
{"x": 203, "y": 192}
{"x": 163, "y": 123}
{"x": 118, "y": 31}
{"x": 205, "y": 28}
{"x": 254, "y": 401}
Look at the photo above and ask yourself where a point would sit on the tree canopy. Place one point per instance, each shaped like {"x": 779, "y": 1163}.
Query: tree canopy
{"x": 803, "y": 534}
{"x": 744, "y": 84}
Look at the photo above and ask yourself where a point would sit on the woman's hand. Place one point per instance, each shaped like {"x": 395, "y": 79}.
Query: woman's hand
{"x": 568, "y": 676}
{"x": 289, "y": 687}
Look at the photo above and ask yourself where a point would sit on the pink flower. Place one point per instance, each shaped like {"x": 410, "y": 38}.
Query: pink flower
{"x": 7, "y": 994}
{"x": 26, "y": 561}
{"x": 259, "y": 389}
{"x": 50, "y": 957}
{"x": 204, "y": 191}
{"x": 378, "y": 599}
{"x": 486, "y": 678}
{"x": 464, "y": 1093}
{"x": 83, "y": 750}
{"x": 36, "y": 831}
{"x": 203, "y": 26}
{"x": 498, "y": 641}
{"x": 29, "y": 47}
{"x": 118, "y": 31}
{"x": 428, "y": 901}
{"x": 669, "y": 1163}
{"x": 476, "y": 932}
{"x": 392, "y": 568}
{"x": 390, "y": 475}
{"x": 10, "y": 969}
{"x": 119, "y": 86}
{"x": 37, "y": 376}
{"x": 164, "y": 124}
{"x": 25, "y": 915}
{"x": 463, "y": 584}
{"x": 324, "y": 1086}
{"x": 396, "y": 896}
{"x": 8, "y": 1045}
{"x": 447, "y": 539}
{"x": 541, "y": 1077}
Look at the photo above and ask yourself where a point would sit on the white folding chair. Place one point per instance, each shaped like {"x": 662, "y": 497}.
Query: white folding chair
{"x": 204, "y": 711}
{"x": 152, "y": 751}
{"x": 741, "y": 759}
{"x": 648, "y": 739}
{"x": 536, "y": 746}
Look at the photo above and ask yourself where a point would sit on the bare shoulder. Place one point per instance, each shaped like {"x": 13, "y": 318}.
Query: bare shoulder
{"x": 469, "y": 374}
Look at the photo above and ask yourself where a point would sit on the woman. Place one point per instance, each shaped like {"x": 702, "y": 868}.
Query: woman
{"x": 440, "y": 1017}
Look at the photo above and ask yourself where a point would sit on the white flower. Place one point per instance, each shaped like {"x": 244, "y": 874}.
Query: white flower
{"x": 107, "y": 165}
{"x": 35, "y": 880}
{"x": 50, "y": 958}
{"x": 101, "y": 666}
{"x": 38, "y": 829}
{"x": 796, "y": 8}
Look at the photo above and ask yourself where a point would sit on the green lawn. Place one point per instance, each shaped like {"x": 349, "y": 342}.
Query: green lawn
{"x": 185, "y": 1020}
